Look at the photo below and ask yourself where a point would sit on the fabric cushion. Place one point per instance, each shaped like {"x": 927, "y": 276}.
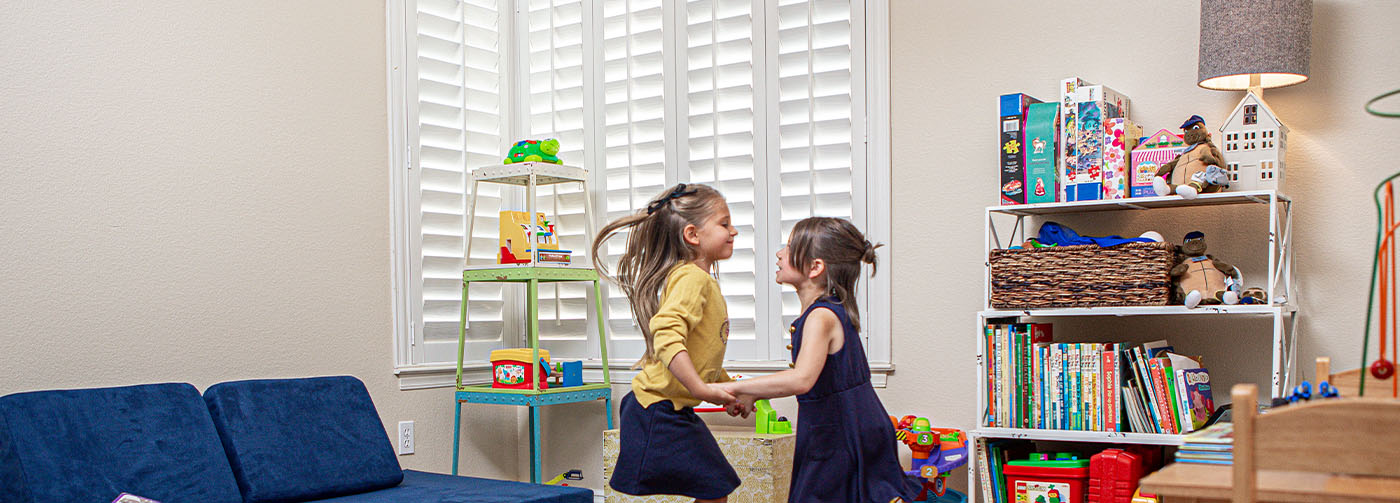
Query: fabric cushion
{"x": 88, "y": 446}
{"x": 302, "y": 439}
{"x": 422, "y": 487}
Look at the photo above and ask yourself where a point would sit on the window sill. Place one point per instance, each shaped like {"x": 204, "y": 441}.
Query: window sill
{"x": 413, "y": 377}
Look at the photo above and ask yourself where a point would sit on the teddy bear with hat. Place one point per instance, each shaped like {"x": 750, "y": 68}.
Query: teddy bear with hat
{"x": 1204, "y": 279}
{"x": 1198, "y": 170}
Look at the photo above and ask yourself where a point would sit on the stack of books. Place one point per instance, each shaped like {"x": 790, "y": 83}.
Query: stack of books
{"x": 1213, "y": 445}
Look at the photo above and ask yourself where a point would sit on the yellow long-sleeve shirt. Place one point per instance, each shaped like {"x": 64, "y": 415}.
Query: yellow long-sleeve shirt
{"x": 693, "y": 318}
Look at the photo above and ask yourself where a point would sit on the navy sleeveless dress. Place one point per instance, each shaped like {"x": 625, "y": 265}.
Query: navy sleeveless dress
{"x": 846, "y": 449}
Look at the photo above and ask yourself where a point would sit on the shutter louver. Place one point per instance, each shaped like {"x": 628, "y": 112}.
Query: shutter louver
{"x": 633, "y": 112}
{"x": 556, "y": 110}
{"x": 720, "y": 107}
{"x": 460, "y": 114}
{"x": 815, "y": 111}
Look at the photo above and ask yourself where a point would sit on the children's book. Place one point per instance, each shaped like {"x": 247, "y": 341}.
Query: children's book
{"x": 1218, "y": 433}
{"x": 1198, "y": 396}
{"x": 1174, "y": 363}
{"x": 984, "y": 466}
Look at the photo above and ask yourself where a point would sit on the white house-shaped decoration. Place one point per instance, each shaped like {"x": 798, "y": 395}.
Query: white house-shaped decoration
{"x": 1252, "y": 141}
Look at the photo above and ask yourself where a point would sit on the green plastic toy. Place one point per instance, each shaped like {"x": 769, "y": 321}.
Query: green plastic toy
{"x": 534, "y": 151}
{"x": 768, "y": 420}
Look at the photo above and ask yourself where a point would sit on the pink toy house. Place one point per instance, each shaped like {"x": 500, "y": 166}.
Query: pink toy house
{"x": 1156, "y": 150}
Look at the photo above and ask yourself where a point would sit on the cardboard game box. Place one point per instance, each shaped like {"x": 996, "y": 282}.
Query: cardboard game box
{"x": 1013, "y": 147}
{"x": 1083, "y": 109}
{"x": 1042, "y": 180}
{"x": 1120, "y": 136}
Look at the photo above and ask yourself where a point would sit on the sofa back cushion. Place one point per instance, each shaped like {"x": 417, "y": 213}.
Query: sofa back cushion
{"x": 89, "y": 445}
{"x": 302, "y": 439}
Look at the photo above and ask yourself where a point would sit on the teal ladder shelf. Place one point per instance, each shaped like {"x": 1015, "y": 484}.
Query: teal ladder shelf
{"x": 529, "y": 175}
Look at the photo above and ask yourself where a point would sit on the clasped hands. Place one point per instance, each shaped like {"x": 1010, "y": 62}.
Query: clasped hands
{"x": 735, "y": 404}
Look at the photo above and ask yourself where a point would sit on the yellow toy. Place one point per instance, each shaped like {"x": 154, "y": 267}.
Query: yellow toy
{"x": 515, "y": 243}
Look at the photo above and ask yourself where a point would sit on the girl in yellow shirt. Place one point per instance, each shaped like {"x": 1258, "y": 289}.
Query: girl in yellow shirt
{"x": 671, "y": 247}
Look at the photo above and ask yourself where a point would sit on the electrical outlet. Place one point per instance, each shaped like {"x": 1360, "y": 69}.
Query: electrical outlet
{"x": 405, "y": 437}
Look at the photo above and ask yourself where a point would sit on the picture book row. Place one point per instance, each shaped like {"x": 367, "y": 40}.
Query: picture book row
{"x": 1033, "y": 382}
{"x": 1086, "y": 147}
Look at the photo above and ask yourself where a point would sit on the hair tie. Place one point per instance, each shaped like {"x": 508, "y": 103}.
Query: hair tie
{"x": 676, "y": 193}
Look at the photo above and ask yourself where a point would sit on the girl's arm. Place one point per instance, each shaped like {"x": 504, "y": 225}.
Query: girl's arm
{"x": 684, "y": 370}
{"x": 819, "y": 333}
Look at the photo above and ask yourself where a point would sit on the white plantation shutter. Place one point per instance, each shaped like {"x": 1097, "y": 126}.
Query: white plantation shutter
{"x": 460, "y": 123}
{"x": 719, "y": 104}
{"x": 633, "y": 137}
{"x": 762, "y": 99}
{"x": 820, "y": 164}
{"x": 555, "y": 51}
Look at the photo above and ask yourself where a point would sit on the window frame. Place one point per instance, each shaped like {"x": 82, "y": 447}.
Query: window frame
{"x": 870, "y": 136}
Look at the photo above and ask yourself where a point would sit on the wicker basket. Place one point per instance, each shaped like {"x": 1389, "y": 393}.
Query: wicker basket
{"x": 1133, "y": 274}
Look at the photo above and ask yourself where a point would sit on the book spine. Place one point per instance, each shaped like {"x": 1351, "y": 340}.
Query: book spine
{"x": 1169, "y": 375}
{"x": 987, "y": 395}
{"x": 1076, "y": 376}
{"x": 997, "y": 348}
{"x": 1183, "y": 402}
{"x": 1061, "y": 386}
{"x": 1109, "y": 400}
{"x": 1095, "y": 377}
{"x": 1149, "y": 394}
{"x": 1159, "y": 386}
{"x": 984, "y": 467}
{"x": 1036, "y": 370}
{"x": 1025, "y": 355}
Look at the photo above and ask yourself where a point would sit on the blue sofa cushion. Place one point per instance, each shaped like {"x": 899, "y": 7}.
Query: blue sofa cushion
{"x": 422, "y": 487}
{"x": 89, "y": 445}
{"x": 302, "y": 439}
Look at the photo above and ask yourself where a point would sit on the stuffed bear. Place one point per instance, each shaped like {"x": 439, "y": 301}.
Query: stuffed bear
{"x": 1197, "y": 170}
{"x": 1203, "y": 279}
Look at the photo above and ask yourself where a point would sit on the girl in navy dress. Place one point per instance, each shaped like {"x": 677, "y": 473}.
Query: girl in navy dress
{"x": 665, "y": 271}
{"x": 846, "y": 450}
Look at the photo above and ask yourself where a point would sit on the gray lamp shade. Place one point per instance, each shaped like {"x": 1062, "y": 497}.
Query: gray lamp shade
{"x": 1240, "y": 38}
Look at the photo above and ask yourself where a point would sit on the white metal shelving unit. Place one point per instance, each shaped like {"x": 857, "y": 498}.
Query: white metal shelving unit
{"x": 1282, "y": 309}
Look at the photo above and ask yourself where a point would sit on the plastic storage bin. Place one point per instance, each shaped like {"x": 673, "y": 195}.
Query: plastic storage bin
{"x": 1114, "y": 475}
{"x": 508, "y": 369}
{"x": 1046, "y": 478}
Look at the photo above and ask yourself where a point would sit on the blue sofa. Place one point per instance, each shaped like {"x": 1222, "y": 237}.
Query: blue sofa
{"x": 262, "y": 441}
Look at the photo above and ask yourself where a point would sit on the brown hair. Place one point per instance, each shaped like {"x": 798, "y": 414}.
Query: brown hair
{"x": 654, "y": 246}
{"x": 842, "y": 248}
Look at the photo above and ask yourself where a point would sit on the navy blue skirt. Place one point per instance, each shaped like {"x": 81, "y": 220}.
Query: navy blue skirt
{"x": 667, "y": 451}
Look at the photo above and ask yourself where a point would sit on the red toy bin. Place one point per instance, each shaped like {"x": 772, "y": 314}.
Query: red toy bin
{"x": 508, "y": 369}
{"x": 1046, "y": 478}
{"x": 1114, "y": 474}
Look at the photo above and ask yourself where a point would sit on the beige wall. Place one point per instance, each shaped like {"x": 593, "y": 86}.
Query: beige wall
{"x": 951, "y": 60}
{"x": 197, "y": 192}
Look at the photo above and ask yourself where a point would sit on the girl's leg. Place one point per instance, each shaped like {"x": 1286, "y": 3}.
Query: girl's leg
{"x": 718, "y": 500}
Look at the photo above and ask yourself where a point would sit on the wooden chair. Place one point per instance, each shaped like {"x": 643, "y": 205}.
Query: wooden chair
{"x": 1346, "y": 442}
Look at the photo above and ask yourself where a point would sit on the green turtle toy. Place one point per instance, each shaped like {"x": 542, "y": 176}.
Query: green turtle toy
{"x": 534, "y": 151}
